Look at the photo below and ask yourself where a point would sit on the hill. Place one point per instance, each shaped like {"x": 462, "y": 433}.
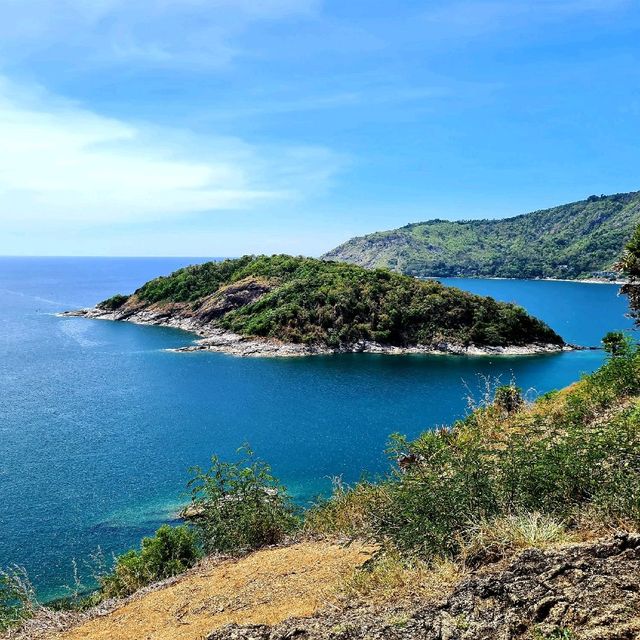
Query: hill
{"x": 579, "y": 240}
{"x": 283, "y": 305}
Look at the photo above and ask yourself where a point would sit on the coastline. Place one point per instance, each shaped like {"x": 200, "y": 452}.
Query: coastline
{"x": 577, "y": 280}
{"x": 211, "y": 338}
{"x": 586, "y": 280}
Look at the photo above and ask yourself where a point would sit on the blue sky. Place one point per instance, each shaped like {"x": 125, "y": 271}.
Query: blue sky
{"x": 222, "y": 127}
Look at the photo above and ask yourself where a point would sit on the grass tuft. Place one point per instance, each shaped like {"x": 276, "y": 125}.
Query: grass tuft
{"x": 504, "y": 535}
{"x": 389, "y": 577}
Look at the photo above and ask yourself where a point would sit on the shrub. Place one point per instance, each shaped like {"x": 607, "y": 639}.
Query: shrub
{"x": 169, "y": 552}
{"x": 17, "y": 597}
{"x": 346, "y": 511}
{"x": 615, "y": 343}
{"x": 113, "y": 303}
{"x": 240, "y": 506}
{"x": 509, "y": 398}
{"x": 569, "y": 454}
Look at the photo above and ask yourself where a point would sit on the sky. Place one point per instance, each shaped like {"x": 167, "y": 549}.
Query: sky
{"x": 225, "y": 127}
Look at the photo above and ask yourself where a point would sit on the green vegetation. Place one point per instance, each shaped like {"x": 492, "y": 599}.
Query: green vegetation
{"x": 240, "y": 506}
{"x": 570, "y": 456}
{"x": 576, "y": 240}
{"x": 172, "y": 550}
{"x": 198, "y": 281}
{"x": 17, "y": 598}
{"x": 114, "y": 302}
{"x": 303, "y": 300}
{"x": 629, "y": 265}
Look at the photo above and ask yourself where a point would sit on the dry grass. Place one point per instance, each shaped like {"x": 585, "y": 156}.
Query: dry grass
{"x": 264, "y": 587}
{"x": 515, "y": 532}
{"x": 388, "y": 579}
{"x": 347, "y": 512}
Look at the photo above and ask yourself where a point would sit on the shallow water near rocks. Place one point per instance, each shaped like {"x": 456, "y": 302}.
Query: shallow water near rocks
{"x": 99, "y": 423}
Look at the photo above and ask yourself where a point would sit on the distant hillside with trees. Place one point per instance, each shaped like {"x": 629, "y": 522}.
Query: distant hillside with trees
{"x": 578, "y": 240}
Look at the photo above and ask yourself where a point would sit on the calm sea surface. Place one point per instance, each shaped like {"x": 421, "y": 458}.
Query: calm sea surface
{"x": 99, "y": 424}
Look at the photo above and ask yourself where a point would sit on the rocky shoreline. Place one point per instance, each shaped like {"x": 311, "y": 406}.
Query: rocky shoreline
{"x": 212, "y": 338}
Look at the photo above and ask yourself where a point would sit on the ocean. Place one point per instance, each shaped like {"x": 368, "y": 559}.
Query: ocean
{"x": 99, "y": 423}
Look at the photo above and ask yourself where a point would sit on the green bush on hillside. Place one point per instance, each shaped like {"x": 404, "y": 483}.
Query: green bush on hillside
{"x": 169, "y": 552}
{"x": 558, "y": 458}
{"x": 113, "y": 303}
{"x": 629, "y": 265}
{"x": 240, "y": 506}
{"x": 17, "y": 597}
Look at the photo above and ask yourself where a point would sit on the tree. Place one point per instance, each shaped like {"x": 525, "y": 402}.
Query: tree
{"x": 616, "y": 344}
{"x": 629, "y": 265}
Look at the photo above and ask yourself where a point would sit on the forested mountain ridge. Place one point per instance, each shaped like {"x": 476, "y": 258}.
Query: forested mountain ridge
{"x": 578, "y": 240}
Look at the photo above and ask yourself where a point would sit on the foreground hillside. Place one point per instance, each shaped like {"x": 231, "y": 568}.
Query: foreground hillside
{"x": 578, "y": 240}
{"x": 519, "y": 521}
{"x": 564, "y": 592}
{"x": 589, "y": 592}
{"x": 283, "y": 305}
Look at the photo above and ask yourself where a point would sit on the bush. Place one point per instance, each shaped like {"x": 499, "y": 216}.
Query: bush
{"x": 346, "y": 511}
{"x": 508, "y": 398}
{"x": 572, "y": 453}
{"x": 240, "y": 506}
{"x": 17, "y": 597}
{"x": 113, "y": 303}
{"x": 171, "y": 551}
{"x": 615, "y": 343}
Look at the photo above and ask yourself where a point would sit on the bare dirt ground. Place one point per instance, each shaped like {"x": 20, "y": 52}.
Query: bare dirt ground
{"x": 266, "y": 587}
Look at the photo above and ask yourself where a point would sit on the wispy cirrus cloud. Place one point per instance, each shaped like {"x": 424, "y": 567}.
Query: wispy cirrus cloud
{"x": 156, "y": 32}
{"x": 63, "y": 164}
{"x": 380, "y": 95}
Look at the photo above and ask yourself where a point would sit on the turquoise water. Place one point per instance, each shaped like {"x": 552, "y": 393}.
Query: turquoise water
{"x": 98, "y": 424}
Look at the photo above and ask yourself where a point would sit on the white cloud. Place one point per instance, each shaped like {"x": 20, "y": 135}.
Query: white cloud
{"x": 60, "y": 163}
{"x": 159, "y": 32}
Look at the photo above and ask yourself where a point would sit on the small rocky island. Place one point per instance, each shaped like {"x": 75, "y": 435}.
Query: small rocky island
{"x": 293, "y": 306}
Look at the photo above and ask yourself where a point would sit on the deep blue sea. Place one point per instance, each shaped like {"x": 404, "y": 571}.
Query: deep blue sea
{"x": 99, "y": 424}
